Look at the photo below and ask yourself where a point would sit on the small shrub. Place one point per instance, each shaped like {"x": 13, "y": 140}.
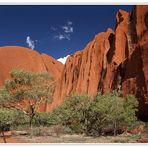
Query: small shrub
{"x": 58, "y": 130}
{"x": 136, "y": 128}
{"x": 135, "y": 124}
{"x": 67, "y": 130}
{"x": 39, "y": 131}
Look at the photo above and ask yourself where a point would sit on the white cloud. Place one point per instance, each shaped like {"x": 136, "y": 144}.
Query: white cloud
{"x": 30, "y": 42}
{"x": 63, "y": 32}
{"x": 63, "y": 59}
{"x": 67, "y": 29}
{"x": 60, "y": 37}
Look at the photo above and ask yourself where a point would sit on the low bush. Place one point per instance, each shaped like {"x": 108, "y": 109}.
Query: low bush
{"x": 58, "y": 130}
{"x": 39, "y": 131}
{"x": 136, "y": 124}
{"x": 7, "y": 118}
{"x": 91, "y": 116}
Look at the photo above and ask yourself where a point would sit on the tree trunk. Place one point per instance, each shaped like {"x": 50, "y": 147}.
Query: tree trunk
{"x": 4, "y": 138}
{"x": 115, "y": 129}
{"x": 31, "y": 115}
{"x": 30, "y": 123}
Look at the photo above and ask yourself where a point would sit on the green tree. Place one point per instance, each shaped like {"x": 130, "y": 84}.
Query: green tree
{"x": 70, "y": 113}
{"x": 122, "y": 111}
{"x": 111, "y": 109}
{"x": 95, "y": 116}
{"x": 29, "y": 86}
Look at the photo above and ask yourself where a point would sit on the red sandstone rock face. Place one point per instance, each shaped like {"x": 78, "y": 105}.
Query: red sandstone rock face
{"x": 135, "y": 79}
{"x": 14, "y": 57}
{"x": 121, "y": 37}
{"x": 82, "y": 71}
{"x": 19, "y": 58}
{"x": 117, "y": 53}
{"x": 94, "y": 68}
{"x": 111, "y": 61}
{"x": 52, "y": 66}
{"x": 24, "y": 58}
{"x": 67, "y": 80}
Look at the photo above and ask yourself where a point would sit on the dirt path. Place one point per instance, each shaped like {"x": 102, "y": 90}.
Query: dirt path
{"x": 12, "y": 140}
{"x": 72, "y": 139}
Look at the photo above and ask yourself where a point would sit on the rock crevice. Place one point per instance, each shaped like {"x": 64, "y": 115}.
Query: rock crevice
{"x": 111, "y": 61}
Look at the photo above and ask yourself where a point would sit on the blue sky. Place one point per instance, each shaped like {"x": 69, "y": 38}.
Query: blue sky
{"x": 55, "y": 30}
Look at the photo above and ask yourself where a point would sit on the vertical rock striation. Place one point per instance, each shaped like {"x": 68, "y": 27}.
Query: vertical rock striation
{"x": 135, "y": 79}
{"x": 112, "y": 60}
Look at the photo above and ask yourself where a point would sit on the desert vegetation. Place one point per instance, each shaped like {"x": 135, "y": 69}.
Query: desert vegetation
{"x": 33, "y": 88}
{"x": 100, "y": 115}
{"x": 95, "y": 116}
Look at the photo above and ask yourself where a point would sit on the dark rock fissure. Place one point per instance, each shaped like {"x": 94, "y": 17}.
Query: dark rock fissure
{"x": 103, "y": 74}
{"x": 111, "y": 51}
{"x": 118, "y": 78}
{"x": 113, "y": 61}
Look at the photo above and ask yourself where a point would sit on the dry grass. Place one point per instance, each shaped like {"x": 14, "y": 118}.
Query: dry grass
{"x": 57, "y": 135}
{"x": 65, "y": 138}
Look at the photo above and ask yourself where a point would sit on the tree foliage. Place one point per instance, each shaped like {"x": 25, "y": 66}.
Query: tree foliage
{"x": 111, "y": 109}
{"x": 25, "y": 85}
{"x": 41, "y": 119}
{"x": 80, "y": 113}
{"x": 92, "y": 116}
{"x": 7, "y": 119}
{"x": 70, "y": 113}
